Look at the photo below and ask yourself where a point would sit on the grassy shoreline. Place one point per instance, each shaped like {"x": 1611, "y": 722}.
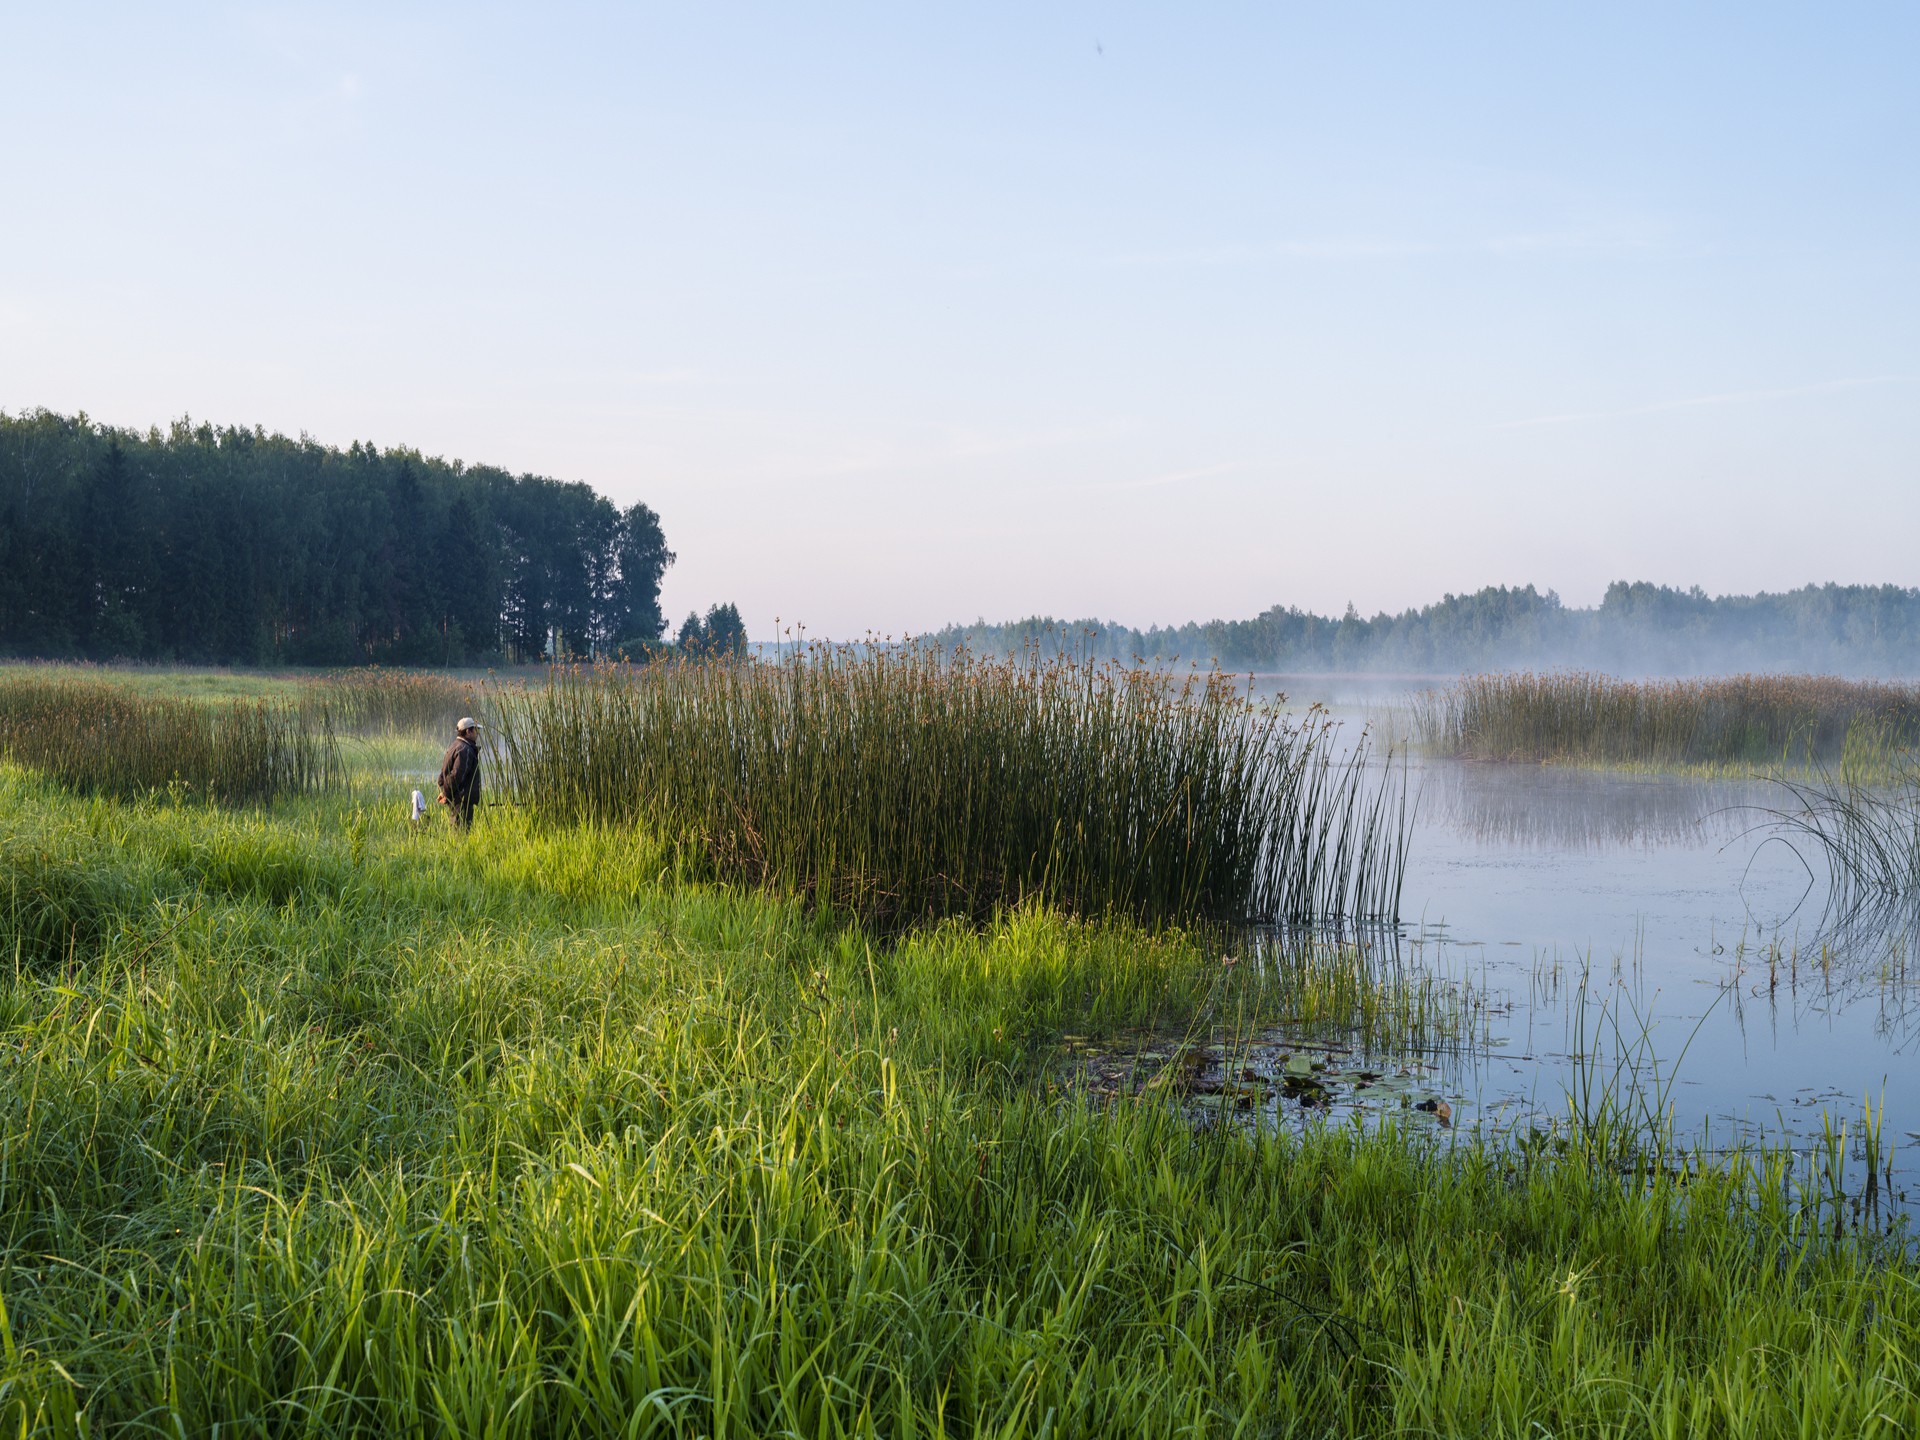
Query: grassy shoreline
{"x": 311, "y": 1122}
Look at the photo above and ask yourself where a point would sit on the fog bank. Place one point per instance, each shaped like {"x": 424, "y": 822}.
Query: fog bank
{"x": 1637, "y": 629}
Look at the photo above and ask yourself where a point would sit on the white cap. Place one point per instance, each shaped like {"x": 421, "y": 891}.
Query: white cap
{"x": 467, "y": 722}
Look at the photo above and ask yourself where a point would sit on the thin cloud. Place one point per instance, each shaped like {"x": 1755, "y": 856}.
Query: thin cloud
{"x": 1182, "y": 477}
{"x": 672, "y": 375}
{"x": 1333, "y": 249}
{"x": 879, "y": 458}
{"x": 1620, "y": 239}
{"x": 1699, "y": 402}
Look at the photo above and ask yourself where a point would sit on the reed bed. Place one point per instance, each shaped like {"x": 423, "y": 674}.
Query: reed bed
{"x": 1738, "y": 720}
{"x": 109, "y": 739}
{"x": 909, "y": 784}
{"x": 377, "y": 701}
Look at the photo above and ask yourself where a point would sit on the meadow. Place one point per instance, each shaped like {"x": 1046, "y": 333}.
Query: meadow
{"x": 1739, "y": 722}
{"x": 316, "y": 1122}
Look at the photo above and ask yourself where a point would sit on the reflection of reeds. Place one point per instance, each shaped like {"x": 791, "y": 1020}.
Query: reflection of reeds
{"x": 1360, "y": 991}
{"x": 100, "y": 738}
{"x": 1572, "y": 808}
{"x": 1789, "y": 720}
{"x": 906, "y": 783}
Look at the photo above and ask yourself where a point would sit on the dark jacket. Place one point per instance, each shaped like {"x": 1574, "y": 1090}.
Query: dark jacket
{"x": 460, "y": 773}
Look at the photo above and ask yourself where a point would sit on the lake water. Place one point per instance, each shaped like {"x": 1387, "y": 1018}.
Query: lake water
{"x": 1574, "y": 901}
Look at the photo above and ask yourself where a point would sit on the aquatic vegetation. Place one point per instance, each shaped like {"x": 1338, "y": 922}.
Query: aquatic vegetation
{"x": 1256, "y": 1078}
{"x": 374, "y": 700}
{"x": 357, "y": 1128}
{"x": 1741, "y": 720}
{"x": 907, "y": 784}
{"x": 1867, "y": 830}
{"x": 100, "y": 737}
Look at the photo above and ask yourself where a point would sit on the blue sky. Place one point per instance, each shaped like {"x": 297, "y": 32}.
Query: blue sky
{"x": 909, "y": 313}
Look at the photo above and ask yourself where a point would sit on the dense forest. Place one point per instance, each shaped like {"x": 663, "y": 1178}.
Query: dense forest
{"x": 236, "y": 546}
{"x": 1636, "y": 629}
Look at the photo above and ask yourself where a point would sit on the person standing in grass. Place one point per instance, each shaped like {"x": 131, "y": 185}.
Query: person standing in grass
{"x": 460, "y": 773}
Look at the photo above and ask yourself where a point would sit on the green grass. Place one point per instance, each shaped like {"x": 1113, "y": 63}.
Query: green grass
{"x": 371, "y": 700}
{"x": 905, "y": 785}
{"x": 315, "y": 1123}
{"x": 169, "y": 682}
{"x": 1736, "y": 723}
{"x": 101, "y": 736}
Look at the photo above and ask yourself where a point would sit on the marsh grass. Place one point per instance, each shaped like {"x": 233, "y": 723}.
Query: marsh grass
{"x": 377, "y": 701}
{"x": 905, "y": 784}
{"x": 311, "y": 1125}
{"x": 1787, "y": 722}
{"x": 99, "y": 737}
{"x": 1359, "y": 991}
{"x": 1867, "y": 828}
{"x": 168, "y": 682}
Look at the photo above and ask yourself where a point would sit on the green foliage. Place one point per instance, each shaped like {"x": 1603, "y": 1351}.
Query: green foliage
{"x": 721, "y": 633}
{"x": 238, "y": 546}
{"x": 102, "y": 738}
{"x": 1752, "y": 720}
{"x": 504, "y": 1135}
{"x": 904, "y": 785}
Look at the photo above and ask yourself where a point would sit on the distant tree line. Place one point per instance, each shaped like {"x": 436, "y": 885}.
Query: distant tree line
{"x": 1636, "y": 629}
{"x": 236, "y": 546}
{"x": 722, "y": 632}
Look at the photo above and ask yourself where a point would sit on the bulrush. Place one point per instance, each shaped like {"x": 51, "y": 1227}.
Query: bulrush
{"x": 102, "y": 738}
{"x": 908, "y": 783}
{"x": 373, "y": 700}
{"x": 1744, "y": 720}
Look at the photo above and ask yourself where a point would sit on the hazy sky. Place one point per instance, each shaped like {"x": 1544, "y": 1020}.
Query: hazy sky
{"x": 915, "y": 312}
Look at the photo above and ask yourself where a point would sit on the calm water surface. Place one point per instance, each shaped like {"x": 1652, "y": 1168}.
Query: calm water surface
{"x": 1577, "y": 901}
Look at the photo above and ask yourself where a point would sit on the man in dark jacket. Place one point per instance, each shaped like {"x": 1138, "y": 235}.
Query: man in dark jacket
{"x": 460, "y": 773}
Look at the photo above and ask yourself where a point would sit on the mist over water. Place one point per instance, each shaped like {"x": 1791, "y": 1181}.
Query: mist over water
{"x": 1637, "y": 630}
{"x": 1602, "y": 916}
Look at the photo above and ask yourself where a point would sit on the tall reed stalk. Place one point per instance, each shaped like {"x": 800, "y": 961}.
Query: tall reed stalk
{"x": 100, "y": 738}
{"x": 376, "y": 701}
{"x": 908, "y": 784}
{"x": 1869, "y": 831}
{"x": 1792, "y": 720}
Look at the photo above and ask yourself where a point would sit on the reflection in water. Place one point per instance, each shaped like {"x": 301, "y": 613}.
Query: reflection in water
{"x": 1864, "y": 961}
{"x": 1569, "y": 809}
{"x": 1671, "y": 910}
